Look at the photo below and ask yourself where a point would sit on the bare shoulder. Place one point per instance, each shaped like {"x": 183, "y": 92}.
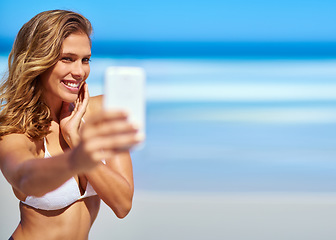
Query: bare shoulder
{"x": 95, "y": 105}
{"x": 14, "y": 140}
{"x": 16, "y": 144}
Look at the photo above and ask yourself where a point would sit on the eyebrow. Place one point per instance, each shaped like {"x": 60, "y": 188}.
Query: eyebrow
{"x": 74, "y": 55}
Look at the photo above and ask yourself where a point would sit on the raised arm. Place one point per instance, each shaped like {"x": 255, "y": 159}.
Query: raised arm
{"x": 113, "y": 181}
{"x": 102, "y": 137}
{"x": 28, "y": 173}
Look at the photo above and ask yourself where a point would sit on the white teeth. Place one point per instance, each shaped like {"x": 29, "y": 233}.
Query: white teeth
{"x": 73, "y": 85}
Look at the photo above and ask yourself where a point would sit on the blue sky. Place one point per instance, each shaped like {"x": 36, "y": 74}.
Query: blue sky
{"x": 178, "y": 20}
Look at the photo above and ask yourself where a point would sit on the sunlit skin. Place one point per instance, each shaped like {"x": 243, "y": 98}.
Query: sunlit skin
{"x": 77, "y": 149}
{"x": 63, "y": 81}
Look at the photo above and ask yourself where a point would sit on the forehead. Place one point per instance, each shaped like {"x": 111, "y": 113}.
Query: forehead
{"x": 77, "y": 43}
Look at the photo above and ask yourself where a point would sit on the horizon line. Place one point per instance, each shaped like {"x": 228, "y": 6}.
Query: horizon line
{"x": 198, "y": 48}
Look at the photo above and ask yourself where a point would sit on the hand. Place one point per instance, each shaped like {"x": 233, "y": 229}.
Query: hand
{"x": 71, "y": 117}
{"x": 102, "y": 136}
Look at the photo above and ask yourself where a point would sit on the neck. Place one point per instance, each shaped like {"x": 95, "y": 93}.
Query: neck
{"x": 55, "y": 107}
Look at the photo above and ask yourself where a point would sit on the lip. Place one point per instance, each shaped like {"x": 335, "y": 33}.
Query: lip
{"x": 72, "y": 85}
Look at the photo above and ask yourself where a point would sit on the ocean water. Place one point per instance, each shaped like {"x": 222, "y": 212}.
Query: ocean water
{"x": 233, "y": 125}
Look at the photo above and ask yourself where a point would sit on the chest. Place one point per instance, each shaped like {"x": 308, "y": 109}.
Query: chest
{"x": 54, "y": 141}
{"x": 55, "y": 144}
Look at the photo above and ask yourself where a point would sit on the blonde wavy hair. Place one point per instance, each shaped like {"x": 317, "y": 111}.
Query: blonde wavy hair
{"x": 36, "y": 48}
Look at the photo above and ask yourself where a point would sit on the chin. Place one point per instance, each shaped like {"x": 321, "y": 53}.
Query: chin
{"x": 70, "y": 99}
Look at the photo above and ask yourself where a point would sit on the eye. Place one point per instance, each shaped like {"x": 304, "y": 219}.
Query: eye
{"x": 86, "y": 60}
{"x": 66, "y": 59}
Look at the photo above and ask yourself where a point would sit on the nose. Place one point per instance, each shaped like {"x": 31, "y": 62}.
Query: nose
{"x": 78, "y": 70}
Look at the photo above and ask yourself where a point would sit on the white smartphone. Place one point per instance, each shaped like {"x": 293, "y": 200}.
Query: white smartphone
{"x": 125, "y": 90}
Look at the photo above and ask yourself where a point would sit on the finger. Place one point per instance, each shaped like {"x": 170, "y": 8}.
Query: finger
{"x": 118, "y": 142}
{"x": 103, "y": 155}
{"x": 83, "y": 99}
{"x": 81, "y": 92}
{"x": 86, "y": 91}
{"x": 76, "y": 115}
{"x": 80, "y": 105}
{"x": 106, "y": 116}
{"x": 76, "y": 105}
{"x": 74, "y": 119}
{"x": 108, "y": 128}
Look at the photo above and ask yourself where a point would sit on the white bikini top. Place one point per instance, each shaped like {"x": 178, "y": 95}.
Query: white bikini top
{"x": 61, "y": 197}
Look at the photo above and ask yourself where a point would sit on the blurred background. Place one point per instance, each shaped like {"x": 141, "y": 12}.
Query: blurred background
{"x": 241, "y": 115}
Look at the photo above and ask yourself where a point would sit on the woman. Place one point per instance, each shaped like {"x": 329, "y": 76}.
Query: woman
{"x": 59, "y": 149}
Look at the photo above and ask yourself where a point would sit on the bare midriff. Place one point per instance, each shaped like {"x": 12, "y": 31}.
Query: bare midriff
{"x": 73, "y": 222}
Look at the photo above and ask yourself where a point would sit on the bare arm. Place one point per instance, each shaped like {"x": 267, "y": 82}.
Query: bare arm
{"x": 28, "y": 173}
{"x": 114, "y": 183}
{"x": 102, "y": 137}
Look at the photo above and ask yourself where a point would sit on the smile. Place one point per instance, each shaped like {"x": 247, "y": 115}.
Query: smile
{"x": 71, "y": 84}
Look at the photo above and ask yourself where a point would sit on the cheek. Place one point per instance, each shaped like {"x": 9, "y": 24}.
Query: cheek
{"x": 87, "y": 71}
{"x": 61, "y": 70}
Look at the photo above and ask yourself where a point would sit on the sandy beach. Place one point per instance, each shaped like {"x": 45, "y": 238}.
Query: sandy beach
{"x": 235, "y": 216}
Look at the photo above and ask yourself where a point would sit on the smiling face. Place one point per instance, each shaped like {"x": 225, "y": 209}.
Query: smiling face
{"x": 63, "y": 81}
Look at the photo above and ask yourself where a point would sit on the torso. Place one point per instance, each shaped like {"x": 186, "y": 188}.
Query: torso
{"x": 71, "y": 222}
